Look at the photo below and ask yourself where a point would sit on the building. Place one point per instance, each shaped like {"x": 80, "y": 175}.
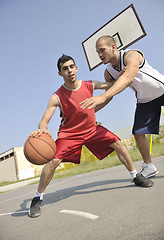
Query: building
{"x": 14, "y": 166}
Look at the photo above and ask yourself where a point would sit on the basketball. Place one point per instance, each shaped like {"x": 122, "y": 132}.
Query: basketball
{"x": 40, "y": 149}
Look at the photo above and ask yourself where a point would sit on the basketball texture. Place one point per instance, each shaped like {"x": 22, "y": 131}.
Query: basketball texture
{"x": 40, "y": 149}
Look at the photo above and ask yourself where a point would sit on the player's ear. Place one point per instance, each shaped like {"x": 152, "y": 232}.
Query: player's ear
{"x": 59, "y": 73}
{"x": 114, "y": 46}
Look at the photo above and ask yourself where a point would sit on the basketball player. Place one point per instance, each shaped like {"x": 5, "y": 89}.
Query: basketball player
{"x": 78, "y": 127}
{"x": 130, "y": 69}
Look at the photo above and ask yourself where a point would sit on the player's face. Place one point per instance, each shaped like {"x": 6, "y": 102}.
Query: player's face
{"x": 104, "y": 51}
{"x": 68, "y": 71}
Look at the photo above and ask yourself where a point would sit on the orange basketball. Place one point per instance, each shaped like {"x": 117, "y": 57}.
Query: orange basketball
{"x": 40, "y": 149}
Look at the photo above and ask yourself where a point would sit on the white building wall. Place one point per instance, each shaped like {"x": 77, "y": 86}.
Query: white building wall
{"x": 7, "y": 170}
{"x": 25, "y": 168}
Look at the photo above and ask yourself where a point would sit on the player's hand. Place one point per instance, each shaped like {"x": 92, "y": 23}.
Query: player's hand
{"x": 92, "y": 102}
{"x": 40, "y": 132}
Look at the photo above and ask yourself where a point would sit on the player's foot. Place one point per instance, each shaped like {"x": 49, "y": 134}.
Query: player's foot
{"x": 149, "y": 170}
{"x": 34, "y": 210}
{"x": 141, "y": 181}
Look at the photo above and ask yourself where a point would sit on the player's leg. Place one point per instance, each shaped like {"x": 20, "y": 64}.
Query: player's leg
{"x": 143, "y": 147}
{"x": 102, "y": 142}
{"x": 146, "y": 121}
{"x": 123, "y": 155}
{"x": 46, "y": 176}
{"x": 125, "y": 158}
{"x": 69, "y": 150}
{"x": 148, "y": 168}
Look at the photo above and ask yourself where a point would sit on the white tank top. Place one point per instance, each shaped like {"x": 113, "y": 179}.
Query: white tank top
{"x": 148, "y": 83}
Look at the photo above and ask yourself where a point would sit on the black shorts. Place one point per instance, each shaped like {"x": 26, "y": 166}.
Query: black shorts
{"x": 147, "y": 117}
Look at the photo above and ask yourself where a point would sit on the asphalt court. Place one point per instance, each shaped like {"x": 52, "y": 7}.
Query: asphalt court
{"x": 101, "y": 205}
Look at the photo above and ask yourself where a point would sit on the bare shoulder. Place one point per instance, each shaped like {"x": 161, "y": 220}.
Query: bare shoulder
{"x": 54, "y": 101}
{"x": 133, "y": 55}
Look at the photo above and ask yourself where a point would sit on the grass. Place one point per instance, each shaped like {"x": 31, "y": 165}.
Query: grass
{"x": 111, "y": 161}
{"x": 7, "y": 183}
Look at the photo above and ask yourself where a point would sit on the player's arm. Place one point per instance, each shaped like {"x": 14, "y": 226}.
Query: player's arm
{"x": 101, "y": 85}
{"x": 109, "y": 83}
{"x": 132, "y": 60}
{"x": 52, "y": 105}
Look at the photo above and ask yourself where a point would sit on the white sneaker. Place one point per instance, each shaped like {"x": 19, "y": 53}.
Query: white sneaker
{"x": 149, "y": 170}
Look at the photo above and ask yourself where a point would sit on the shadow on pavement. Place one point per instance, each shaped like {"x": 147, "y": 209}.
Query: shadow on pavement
{"x": 62, "y": 194}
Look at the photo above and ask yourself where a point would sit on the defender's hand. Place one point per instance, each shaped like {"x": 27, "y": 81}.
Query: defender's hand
{"x": 92, "y": 102}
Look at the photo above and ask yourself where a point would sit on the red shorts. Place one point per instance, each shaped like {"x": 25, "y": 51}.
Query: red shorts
{"x": 98, "y": 141}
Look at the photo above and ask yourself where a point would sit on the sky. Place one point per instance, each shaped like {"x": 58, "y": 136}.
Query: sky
{"x": 35, "y": 33}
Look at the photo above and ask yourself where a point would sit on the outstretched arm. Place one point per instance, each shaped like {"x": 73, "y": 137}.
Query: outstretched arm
{"x": 132, "y": 61}
{"x": 52, "y": 104}
{"x": 101, "y": 85}
{"x": 110, "y": 82}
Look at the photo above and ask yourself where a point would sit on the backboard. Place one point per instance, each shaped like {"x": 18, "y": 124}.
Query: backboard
{"x": 126, "y": 28}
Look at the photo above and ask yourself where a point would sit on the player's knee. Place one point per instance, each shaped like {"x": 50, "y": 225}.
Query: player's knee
{"x": 54, "y": 163}
{"x": 139, "y": 136}
{"x": 117, "y": 145}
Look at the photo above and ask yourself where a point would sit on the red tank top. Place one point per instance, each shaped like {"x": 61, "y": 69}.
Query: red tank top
{"x": 75, "y": 120}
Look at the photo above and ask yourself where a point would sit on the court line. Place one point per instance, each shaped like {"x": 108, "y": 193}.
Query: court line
{"x": 29, "y": 193}
{"x": 82, "y": 214}
{"x": 14, "y": 213}
{"x": 73, "y": 212}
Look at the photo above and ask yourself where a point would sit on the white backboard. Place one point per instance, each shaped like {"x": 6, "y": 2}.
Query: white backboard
{"x": 126, "y": 28}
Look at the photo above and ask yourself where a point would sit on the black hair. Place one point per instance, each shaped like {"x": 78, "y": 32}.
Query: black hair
{"x": 64, "y": 58}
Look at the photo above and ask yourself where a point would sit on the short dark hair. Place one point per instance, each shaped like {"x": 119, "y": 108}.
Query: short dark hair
{"x": 64, "y": 58}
